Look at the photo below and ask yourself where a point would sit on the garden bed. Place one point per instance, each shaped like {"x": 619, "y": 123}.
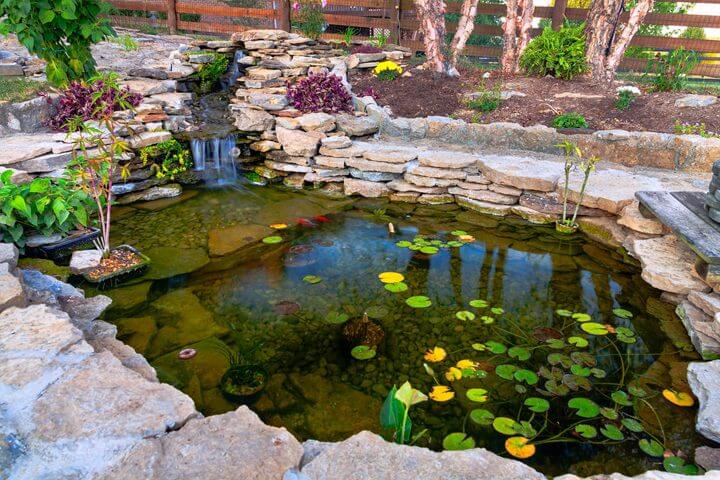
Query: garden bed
{"x": 425, "y": 93}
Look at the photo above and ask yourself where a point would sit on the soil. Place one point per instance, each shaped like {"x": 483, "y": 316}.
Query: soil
{"x": 425, "y": 93}
{"x": 119, "y": 259}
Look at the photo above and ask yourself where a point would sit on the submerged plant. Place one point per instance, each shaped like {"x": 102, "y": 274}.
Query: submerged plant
{"x": 395, "y": 412}
{"x": 573, "y": 159}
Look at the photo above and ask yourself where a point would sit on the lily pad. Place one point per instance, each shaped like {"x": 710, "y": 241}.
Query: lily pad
{"x": 586, "y": 431}
{"x": 477, "y": 395}
{"x": 581, "y": 317}
{"x": 594, "y": 328}
{"x": 537, "y": 405}
{"x": 559, "y": 358}
{"x": 519, "y": 447}
{"x": 482, "y": 416}
{"x": 505, "y": 371}
{"x": 391, "y": 277}
{"x": 651, "y": 447}
{"x": 675, "y": 464}
{"x": 612, "y": 432}
{"x": 403, "y": 244}
{"x": 418, "y": 301}
{"x": 480, "y": 347}
{"x": 609, "y": 413}
{"x": 478, "y": 303}
{"x": 465, "y": 315}
{"x": 496, "y": 347}
{"x": 585, "y": 407}
{"x": 555, "y": 343}
{"x": 505, "y": 425}
{"x": 312, "y": 279}
{"x": 681, "y": 399}
{"x": 396, "y": 287}
{"x": 377, "y": 311}
{"x": 336, "y": 318}
{"x": 363, "y": 352}
{"x": 457, "y": 233}
{"x": 622, "y": 313}
{"x": 580, "y": 370}
{"x": 520, "y": 353}
{"x": 497, "y": 310}
{"x": 272, "y": 239}
{"x": 621, "y": 398}
{"x": 632, "y": 425}
{"x": 487, "y": 320}
{"x": 526, "y": 376}
{"x": 458, "y": 441}
{"x": 429, "y": 250}
{"x": 580, "y": 342}
{"x": 564, "y": 313}
{"x": 583, "y": 358}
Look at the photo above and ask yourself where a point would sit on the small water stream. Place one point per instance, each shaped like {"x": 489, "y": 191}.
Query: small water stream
{"x": 215, "y": 157}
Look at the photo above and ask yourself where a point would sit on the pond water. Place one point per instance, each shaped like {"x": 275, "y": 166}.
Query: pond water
{"x": 213, "y": 285}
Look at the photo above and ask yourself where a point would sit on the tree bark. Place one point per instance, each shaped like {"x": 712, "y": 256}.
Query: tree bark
{"x": 516, "y": 33}
{"x": 465, "y": 27}
{"x": 431, "y": 14}
{"x": 607, "y": 38}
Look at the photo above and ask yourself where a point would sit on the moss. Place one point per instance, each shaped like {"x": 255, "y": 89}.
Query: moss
{"x": 20, "y": 89}
{"x": 47, "y": 267}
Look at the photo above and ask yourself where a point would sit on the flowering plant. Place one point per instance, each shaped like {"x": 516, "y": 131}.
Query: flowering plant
{"x": 626, "y": 95}
{"x": 387, "y": 70}
{"x": 320, "y": 93}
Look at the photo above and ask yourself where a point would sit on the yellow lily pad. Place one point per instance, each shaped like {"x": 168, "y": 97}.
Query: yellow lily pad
{"x": 279, "y": 226}
{"x": 435, "y": 354}
{"x": 681, "y": 399}
{"x": 441, "y": 393}
{"x": 453, "y": 374}
{"x": 519, "y": 447}
{"x": 465, "y": 363}
{"x": 391, "y": 277}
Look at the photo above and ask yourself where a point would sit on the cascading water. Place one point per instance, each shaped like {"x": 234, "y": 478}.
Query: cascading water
{"x": 233, "y": 73}
{"x": 215, "y": 157}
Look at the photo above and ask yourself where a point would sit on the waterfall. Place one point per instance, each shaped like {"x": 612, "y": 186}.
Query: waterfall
{"x": 216, "y": 158}
{"x": 230, "y": 78}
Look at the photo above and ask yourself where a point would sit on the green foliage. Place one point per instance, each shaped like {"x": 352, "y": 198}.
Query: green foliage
{"x": 20, "y": 89}
{"x": 669, "y": 71}
{"x": 380, "y": 39}
{"x": 309, "y": 19}
{"x": 573, "y": 160}
{"x": 625, "y": 99}
{"x": 60, "y": 32}
{"x": 558, "y": 53}
{"x": 45, "y": 206}
{"x": 487, "y": 100}
{"x": 693, "y": 129}
{"x": 570, "y": 120}
{"x": 395, "y": 412}
{"x": 210, "y": 73}
{"x": 348, "y": 35}
{"x": 168, "y": 158}
{"x": 127, "y": 42}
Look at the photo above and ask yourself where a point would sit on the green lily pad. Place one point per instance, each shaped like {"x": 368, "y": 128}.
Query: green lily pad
{"x": 478, "y": 303}
{"x": 363, "y": 352}
{"x": 537, "y": 405}
{"x": 636, "y": 391}
{"x": 396, "y": 287}
{"x": 457, "y": 233}
{"x": 505, "y": 371}
{"x": 581, "y": 317}
{"x": 465, "y": 315}
{"x": 526, "y": 376}
{"x": 585, "y": 407}
{"x": 559, "y": 358}
{"x": 525, "y": 429}
{"x": 675, "y": 464}
{"x": 520, "y": 389}
{"x": 580, "y": 370}
{"x": 505, "y": 425}
{"x": 429, "y": 250}
{"x": 477, "y": 395}
{"x": 580, "y": 342}
{"x": 555, "y": 343}
{"x": 583, "y": 358}
{"x": 272, "y": 239}
{"x": 624, "y": 331}
{"x": 496, "y": 347}
{"x": 487, "y": 320}
{"x": 651, "y": 447}
{"x": 418, "y": 301}
{"x": 377, "y": 311}
{"x": 632, "y": 425}
{"x": 598, "y": 372}
{"x": 520, "y": 353}
{"x": 480, "y": 347}
{"x": 403, "y": 244}
{"x": 625, "y": 339}
{"x": 609, "y": 413}
{"x": 564, "y": 313}
{"x": 594, "y": 328}
{"x": 586, "y": 431}
{"x": 336, "y": 318}
{"x": 458, "y": 441}
{"x": 497, "y": 310}
{"x": 312, "y": 279}
{"x": 454, "y": 244}
{"x": 612, "y": 432}
{"x": 622, "y": 313}
{"x": 482, "y": 416}
{"x": 621, "y": 398}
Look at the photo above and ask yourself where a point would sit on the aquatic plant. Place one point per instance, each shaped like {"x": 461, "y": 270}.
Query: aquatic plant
{"x": 395, "y": 412}
{"x": 573, "y": 159}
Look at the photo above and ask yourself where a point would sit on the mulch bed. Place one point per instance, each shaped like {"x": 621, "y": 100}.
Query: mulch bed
{"x": 425, "y": 93}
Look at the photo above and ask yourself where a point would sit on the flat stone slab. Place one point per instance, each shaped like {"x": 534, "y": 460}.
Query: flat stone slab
{"x": 525, "y": 173}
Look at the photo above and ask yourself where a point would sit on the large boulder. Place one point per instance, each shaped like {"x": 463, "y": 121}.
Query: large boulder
{"x": 704, "y": 380}
{"x": 298, "y": 143}
{"x": 252, "y": 119}
{"x": 357, "y": 126}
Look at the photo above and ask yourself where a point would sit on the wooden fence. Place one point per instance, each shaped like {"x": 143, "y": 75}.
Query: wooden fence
{"x": 397, "y": 19}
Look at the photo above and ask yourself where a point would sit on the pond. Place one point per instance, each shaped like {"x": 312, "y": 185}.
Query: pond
{"x": 495, "y": 296}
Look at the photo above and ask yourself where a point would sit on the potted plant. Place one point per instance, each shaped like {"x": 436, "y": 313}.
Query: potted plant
{"x": 96, "y": 150}
{"x": 573, "y": 159}
{"x": 244, "y": 379}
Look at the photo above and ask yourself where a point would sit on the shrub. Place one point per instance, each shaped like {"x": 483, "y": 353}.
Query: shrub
{"x": 387, "y": 70}
{"x": 626, "y": 95}
{"x": 45, "y": 206}
{"x": 309, "y": 18}
{"x": 60, "y": 32}
{"x": 168, "y": 158}
{"x": 570, "y": 120}
{"x": 91, "y": 100}
{"x": 670, "y": 70}
{"x": 320, "y": 93}
{"x": 365, "y": 48}
{"x": 487, "y": 101}
{"x": 558, "y": 53}
{"x": 210, "y": 73}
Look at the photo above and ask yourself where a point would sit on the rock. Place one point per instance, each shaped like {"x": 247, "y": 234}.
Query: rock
{"x": 260, "y": 73}
{"x": 388, "y": 154}
{"x": 289, "y": 123}
{"x": 707, "y": 302}
{"x": 251, "y": 35}
{"x": 667, "y": 264}
{"x": 372, "y": 176}
{"x": 632, "y": 218}
{"x": 428, "y": 181}
{"x": 46, "y": 163}
{"x": 44, "y": 288}
{"x": 367, "y": 456}
{"x": 365, "y": 188}
{"x": 145, "y": 139}
{"x": 357, "y": 126}
{"x": 84, "y": 260}
{"x": 268, "y": 101}
{"x": 11, "y": 292}
{"x": 403, "y": 186}
{"x": 703, "y": 330}
{"x": 11, "y": 70}
{"x": 533, "y": 216}
{"x": 126, "y": 354}
{"x": 41, "y": 240}
{"x": 349, "y": 152}
{"x": 336, "y": 141}
{"x": 83, "y": 310}
{"x": 484, "y": 196}
{"x": 224, "y": 241}
{"x": 321, "y": 122}
{"x": 288, "y": 167}
{"x": 551, "y": 203}
{"x": 155, "y": 73}
{"x": 264, "y": 146}
{"x": 201, "y": 58}
{"x": 367, "y": 165}
{"x": 167, "y": 262}
{"x": 486, "y": 208}
{"x": 586, "y": 96}
{"x": 330, "y": 162}
{"x": 252, "y": 119}
{"x": 235, "y": 445}
{"x": 154, "y": 193}
{"x": 603, "y": 230}
{"x": 435, "y": 199}
{"x": 298, "y": 143}
{"x": 705, "y": 457}
{"x": 504, "y": 189}
{"x": 17, "y": 148}
{"x": 524, "y": 173}
{"x": 442, "y": 173}
{"x": 446, "y": 159}
{"x": 173, "y": 103}
{"x": 704, "y": 380}
{"x": 696, "y": 101}
{"x": 9, "y": 254}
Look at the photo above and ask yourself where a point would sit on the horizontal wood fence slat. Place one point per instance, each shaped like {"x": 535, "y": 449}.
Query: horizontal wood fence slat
{"x": 397, "y": 18}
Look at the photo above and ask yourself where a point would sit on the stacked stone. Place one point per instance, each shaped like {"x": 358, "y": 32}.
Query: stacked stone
{"x": 712, "y": 199}
{"x": 11, "y": 289}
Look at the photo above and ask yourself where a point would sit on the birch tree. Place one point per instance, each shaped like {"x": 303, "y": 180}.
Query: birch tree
{"x": 516, "y": 33}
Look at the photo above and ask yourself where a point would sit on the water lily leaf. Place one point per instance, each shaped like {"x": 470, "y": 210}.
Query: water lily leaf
{"x": 526, "y": 376}
{"x": 675, "y": 464}
{"x": 457, "y": 233}
{"x": 526, "y": 429}
{"x": 559, "y": 358}
{"x": 520, "y": 389}
{"x": 520, "y": 353}
{"x": 626, "y": 339}
{"x": 458, "y": 441}
{"x": 586, "y": 431}
{"x": 480, "y": 347}
{"x": 496, "y": 347}
{"x": 554, "y": 374}
{"x": 505, "y": 425}
{"x": 621, "y": 398}
{"x": 636, "y": 391}
{"x": 612, "y": 432}
{"x": 632, "y": 425}
{"x": 519, "y": 447}
{"x": 622, "y": 313}
{"x": 487, "y": 320}
{"x": 392, "y": 415}
{"x": 435, "y": 354}
{"x": 594, "y": 328}
{"x": 363, "y": 352}
{"x": 272, "y": 239}
{"x": 418, "y": 301}
{"x": 624, "y": 331}
{"x": 478, "y": 303}
{"x": 585, "y": 407}
{"x": 441, "y": 393}
{"x": 609, "y": 413}
{"x": 336, "y": 318}
{"x": 453, "y": 374}
{"x": 376, "y": 311}
{"x": 581, "y": 317}
{"x": 429, "y": 250}
{"x": 497, "y": 310}
{"x": 580, "y": 342}
{"x": 556, "y": 388}
{"x": 312, "y": 279}
{"x": 681, "y": 399}
{"x": 454, "y": 244}
{"x": 580, "y": 370}
{"x": 564, "y": 313}
{"x": 477, "y": 395}
{"x": 403, "y": 244}
{"x": 555, "y": 343}
{"x": 465, "y": 315}
{"x": 537, "y": 405}
{"x": 576, "y": 382}
{"x": 651, "y": 447}
{"x": 598, "y": 372}
{"x": 409, "y": 396}
{"x": 391, "y": 277}
{"x": 481, "y": 416}
{"x": 396, "y": 287}
{"x": 505, "y": 371}
{"x": 583, "y": 358}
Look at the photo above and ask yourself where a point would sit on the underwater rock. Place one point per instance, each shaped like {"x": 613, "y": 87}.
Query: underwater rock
{"x": 166, "y": 262}
{"x": 126, "y": 298}
{"x": 208, "y": 364}
{"x": 136, "y": 331}
{"x": 224, "y": 241}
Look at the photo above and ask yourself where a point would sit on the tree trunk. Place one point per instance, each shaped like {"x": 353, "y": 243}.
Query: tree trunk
{"x": 465, "y": 27}
{"x": 607, "y": 38}
{"x": 431, "y": 14}
{"x": 516, "y": 33}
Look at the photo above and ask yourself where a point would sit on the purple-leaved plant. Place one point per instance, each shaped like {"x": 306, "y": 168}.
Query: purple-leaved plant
{"x": 320, "y": 93}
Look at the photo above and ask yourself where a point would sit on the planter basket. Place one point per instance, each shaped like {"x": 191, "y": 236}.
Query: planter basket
{"x": 63, "y": 249}
{"x": 250, "y": 397}
{"x": 112, "y": 279}
{"x": 564, "y": 228}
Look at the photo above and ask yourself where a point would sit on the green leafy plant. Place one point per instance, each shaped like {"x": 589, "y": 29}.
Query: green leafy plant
{"x": 487, "y": 100}
{"x": 210, "y": 72}
{"x": 558, "y": 53}
{"x": 395, "y": 412}
{"x": 669, "y": 71}
{"x": 573, "y": 159}
{"x": 693, "y": 129}
{"x": 348, "y": 35}
{"x": 570, "y": 120}
{"x": 624, "y": 100}
{"x": 380, "y": 39}
{"x": 60, "y": 32}
{"x": 167, "y": 158}
{"x": 309, "y": 18}
{"x": 44, "y": 206}
{"x": 128, "y": 43}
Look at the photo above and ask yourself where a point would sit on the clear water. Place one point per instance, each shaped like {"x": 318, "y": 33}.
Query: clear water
{"x": 316, "y": 389}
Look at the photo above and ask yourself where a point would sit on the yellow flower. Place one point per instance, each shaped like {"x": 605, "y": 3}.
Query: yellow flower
{"x": 387, "y": 65}
{"x": 278, "y": 226}
{"x": 462, "y": 364}
{"x": 441, "y": 393}
{"x": 466, "y": 238}
{"x": 435, "y": 354}
{"x": 453, "y": 374}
